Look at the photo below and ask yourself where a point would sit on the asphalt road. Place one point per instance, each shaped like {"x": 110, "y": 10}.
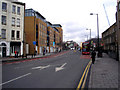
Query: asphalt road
{"x": 63, "y": 71}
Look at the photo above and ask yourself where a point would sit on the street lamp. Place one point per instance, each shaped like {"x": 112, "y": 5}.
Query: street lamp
{"x": 90, "y": 32}
{"x": 97, "y": 32}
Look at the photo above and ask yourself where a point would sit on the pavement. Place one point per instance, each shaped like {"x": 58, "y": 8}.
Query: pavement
{"x": 104, "y": 73}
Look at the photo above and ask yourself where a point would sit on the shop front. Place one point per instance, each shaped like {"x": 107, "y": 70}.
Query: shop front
{"x": 15, "y": 46}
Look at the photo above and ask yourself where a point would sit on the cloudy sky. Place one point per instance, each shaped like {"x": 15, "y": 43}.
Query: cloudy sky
{"x": 74, "y": 15}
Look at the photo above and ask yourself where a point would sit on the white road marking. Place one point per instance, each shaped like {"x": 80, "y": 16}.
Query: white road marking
{"x": 41, "y": 67}
{"x": 15, "y": 79}
{"x": 60, "y": 68}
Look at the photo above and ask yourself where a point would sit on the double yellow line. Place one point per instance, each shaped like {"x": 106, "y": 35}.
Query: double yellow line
{"x": 84, "y": 76}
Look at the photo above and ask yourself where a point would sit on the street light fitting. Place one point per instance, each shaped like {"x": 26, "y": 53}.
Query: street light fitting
{"x": 88, "y": 29}
{"x": 91, "y": 13}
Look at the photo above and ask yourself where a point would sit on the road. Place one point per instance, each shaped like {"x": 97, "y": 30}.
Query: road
{"x": 61, "y": 71}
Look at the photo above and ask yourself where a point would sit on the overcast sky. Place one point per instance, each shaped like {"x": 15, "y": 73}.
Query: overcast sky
{"x": 74, "y": 15}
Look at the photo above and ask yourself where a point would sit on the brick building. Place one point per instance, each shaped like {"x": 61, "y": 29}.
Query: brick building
{"x": 35, "y": 31}
{"x": 110, "y": 40}
{"x": 42, "y": 33}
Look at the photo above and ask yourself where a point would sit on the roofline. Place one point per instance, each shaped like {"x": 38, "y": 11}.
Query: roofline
{"x": 109, "y": 28}
{"x": 20, "y": 3}
{"x": 57, "y": 25}
{"x": 49, "y": 22}
{"x": 36, "y": 12}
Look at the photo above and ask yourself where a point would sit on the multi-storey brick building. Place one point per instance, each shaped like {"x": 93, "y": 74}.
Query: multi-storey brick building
{"x": 41, "y": 32}
{"x": 35, "y": 31}
{"x": 60, "y": 37}
{"x": 50, "y": 37}
{"x": 110, "y": 40}
{"x": 11, "y": 27}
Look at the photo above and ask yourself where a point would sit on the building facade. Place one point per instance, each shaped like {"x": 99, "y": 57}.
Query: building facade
{"x": 35, "y": 31}
{"x": 50, "y": 38}
{"x": 11, "y": 27}
{"x": 118, "y": 29}
{"x": 43, "y": 33}
{"x": 110, "y": 41}
{"x": 60, "y": 30}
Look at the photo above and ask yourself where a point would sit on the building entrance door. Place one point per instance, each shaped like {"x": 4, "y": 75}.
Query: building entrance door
{"x": 4, "y": 46}
{"x": 4, "y": 51}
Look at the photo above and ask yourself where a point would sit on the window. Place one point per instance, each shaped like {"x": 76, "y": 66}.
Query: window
{"x": 18, "y": 35}
{"x": 13, "y": 21}
{"x": 18, "y": 10}
{"x": 18, "y": 22}
{"x": 3, "y": 20}
{"x": 13, "y": 35}
{"x": 4, "y": 6}
{"x": 3, "y": 33}
{"x": 119, "y": 6}
{"x": 14, "y": 9}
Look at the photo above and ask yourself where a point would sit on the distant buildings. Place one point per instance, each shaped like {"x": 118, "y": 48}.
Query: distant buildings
{"x": 11, "y": 27}
{"x": 72, "y": 44}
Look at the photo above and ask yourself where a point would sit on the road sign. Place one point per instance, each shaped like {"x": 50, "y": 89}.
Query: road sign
{"x": 53, "y": 44}
{"x": 34, "y": 42}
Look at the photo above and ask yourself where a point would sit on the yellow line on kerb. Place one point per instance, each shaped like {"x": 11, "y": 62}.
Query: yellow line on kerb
{"x": 87, "y": 67}
{"x": 83, "y": 85}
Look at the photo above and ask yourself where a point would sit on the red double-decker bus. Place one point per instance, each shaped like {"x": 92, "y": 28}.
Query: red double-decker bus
{"x": 86, "y": 48}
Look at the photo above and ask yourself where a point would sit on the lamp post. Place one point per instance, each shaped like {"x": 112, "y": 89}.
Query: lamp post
{"x": 97, "y": 32}
{"x": 90, "y": 32}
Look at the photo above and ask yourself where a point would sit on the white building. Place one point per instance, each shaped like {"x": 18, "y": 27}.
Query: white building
{"x": 11, "y": 27}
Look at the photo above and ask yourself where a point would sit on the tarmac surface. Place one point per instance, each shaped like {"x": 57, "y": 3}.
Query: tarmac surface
{"x": 104, "y": 73}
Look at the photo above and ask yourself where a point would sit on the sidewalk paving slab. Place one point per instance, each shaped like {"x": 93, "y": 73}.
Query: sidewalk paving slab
{"x": 104, "y": 73}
